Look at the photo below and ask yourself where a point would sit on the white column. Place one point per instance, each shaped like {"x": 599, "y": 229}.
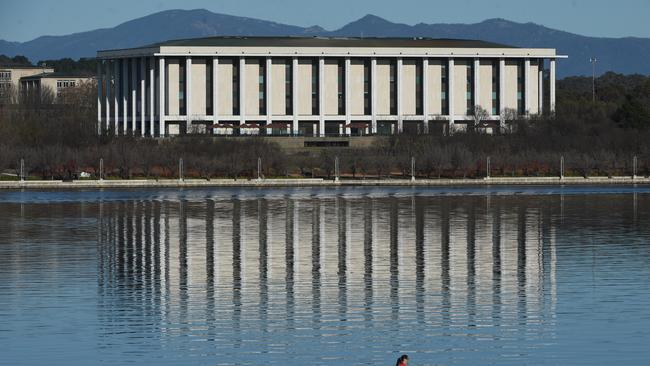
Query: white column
{"x": 321, "y": 96}
{"x": 502, "y": 91}
{"x": 450, "y": 97}
{"x": 373, "y": 94}
{"x": 552, "y": 86}
{"x": 400, "y": 122}
{"x": 188, "y": 92}
{"x": 294, "y": 94}
{"x": 99, "y": 79}
{"x": 143, "y": 73}
{"x": 242, "y": 90}
{"x": 108, "y": 83}
{"x": 125, "y": 94}
{"x": 526, "y": 86}
{"x": 215, "y": 90}
{"x": 116, "y": 89}
{"x": 477, "y": 83}
{"x": 152, "y": 87}
{"x": 425, "y": 95}
{"x": 267, "y": 89}
{"x": 134, "y": 86}
{"x": 540, "y": 83}
{"x": 162, "y": 91}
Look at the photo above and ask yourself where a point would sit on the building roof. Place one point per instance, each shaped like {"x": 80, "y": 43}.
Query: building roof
{"x": 373, "y": 42}
{"x": 57, "y": 75}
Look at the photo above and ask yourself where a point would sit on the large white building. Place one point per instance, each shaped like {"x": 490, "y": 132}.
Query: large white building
{"x": 320, "y": 86}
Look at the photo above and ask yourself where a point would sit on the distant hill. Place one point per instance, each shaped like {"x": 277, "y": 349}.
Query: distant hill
{"x": 622, "y": 55}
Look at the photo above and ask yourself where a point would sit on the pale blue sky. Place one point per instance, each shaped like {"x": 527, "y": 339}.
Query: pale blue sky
{"x": 22, "y": 20}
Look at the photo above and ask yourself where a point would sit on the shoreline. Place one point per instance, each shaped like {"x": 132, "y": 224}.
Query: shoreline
{"x": 317, "y": 182}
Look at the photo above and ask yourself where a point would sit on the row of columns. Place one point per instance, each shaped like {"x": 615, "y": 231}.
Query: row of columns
{"x": 106, "y": 78}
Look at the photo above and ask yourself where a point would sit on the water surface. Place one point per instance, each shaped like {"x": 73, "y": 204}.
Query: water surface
{"x": 465, "y": 276}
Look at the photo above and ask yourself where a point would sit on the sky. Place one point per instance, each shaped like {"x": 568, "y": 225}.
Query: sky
{"x": 23, "y": 20}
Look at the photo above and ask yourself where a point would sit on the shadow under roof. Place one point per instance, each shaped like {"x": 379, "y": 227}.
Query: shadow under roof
{"x": 373, "y": 42}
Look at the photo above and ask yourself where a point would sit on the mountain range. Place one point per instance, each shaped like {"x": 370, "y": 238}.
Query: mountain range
{"x": 623, "y": 55}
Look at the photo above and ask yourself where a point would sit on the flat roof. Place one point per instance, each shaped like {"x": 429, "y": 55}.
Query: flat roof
{"x": 56, "y": 75}
{"x": 373, "y": 42}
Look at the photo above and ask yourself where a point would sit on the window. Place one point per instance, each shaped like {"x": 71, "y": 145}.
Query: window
{"x": 520, "y": 88}
{"x": 208, "y": 86}
{"x": 262, "y": 87}
{"x": 392, "y": 88}
{"x": 235, "y": 87}
{"x": 5, "y": 75}
{"x": 367, "y": 86}
{"x": 314, "y": 87}
{"x": 341, "y": 86}
{"x": 419, "y": 108}
{"x": 444, "y": 89}
{"x": 288, "y": 87}
{"x": 60, "y": 84}
{"x": 181, "y": 88}
{"x": 470, "y": 88}
{"x": 495, "y": 88}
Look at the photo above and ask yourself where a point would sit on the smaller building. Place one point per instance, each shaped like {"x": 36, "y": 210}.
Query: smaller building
{"x": 10, "y": 76}
{"x": 57, "y": 82}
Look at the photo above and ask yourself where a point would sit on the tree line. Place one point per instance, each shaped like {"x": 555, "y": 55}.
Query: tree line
{"x": 58, "y": 140}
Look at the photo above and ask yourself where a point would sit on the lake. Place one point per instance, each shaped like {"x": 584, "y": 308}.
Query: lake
{"x": 321, "y": 276}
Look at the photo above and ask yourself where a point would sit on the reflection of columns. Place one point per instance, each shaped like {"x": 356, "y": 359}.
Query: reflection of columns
{"x": 400, "y": 121}
{"x": 394, "y": 260}
{"x": 161, "y": 96}
{"x": 451, "y": 87}
{"x": 367, "y": 252}
{"x": 444, "y": 263}
{"x": 315, "y": 259}
{"x": 471, "y": 264}
{"x": 521, "y": 260}
{"x": 342, "y": 254}
{"x": 526, "y": 86}
{"x": 373, "y": 94}
{"x": 262, "y": 218}
{"x": 419, "y": 259}
{"x": 100, "y": 79}
{"x": 496, "y": 264}
{"x": 502, "y": 91}
{"x": 346, "y": 72}
{"x": 425, "y": 94}
{"x": 294, "y": 94}
{"x": 321, "y": 96}
{"x": 552, "y": 86}
{"x": 291, "y": 221}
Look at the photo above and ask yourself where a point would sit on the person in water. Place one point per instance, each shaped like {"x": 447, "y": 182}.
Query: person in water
{"x": 403, "y": 360}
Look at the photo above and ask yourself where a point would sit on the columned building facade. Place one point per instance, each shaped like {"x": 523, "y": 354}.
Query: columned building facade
{"x": 320, "y": 86}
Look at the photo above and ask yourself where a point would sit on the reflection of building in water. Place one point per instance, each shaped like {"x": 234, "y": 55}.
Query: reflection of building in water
{"x": 281, "y": 262}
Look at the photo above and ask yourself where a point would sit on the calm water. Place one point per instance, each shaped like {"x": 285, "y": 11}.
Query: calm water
{"x": 503, "y": 275}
